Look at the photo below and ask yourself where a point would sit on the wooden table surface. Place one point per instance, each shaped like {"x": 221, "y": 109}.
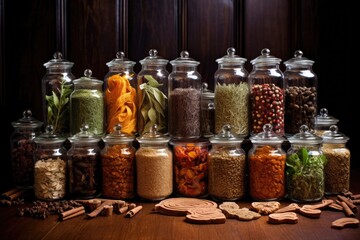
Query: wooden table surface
{"x": 148, "y": 224}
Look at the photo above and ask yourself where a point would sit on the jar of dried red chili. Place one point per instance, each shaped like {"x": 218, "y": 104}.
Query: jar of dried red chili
{"x": 300, "y": 93}
{"x": 267, "y": 166}
{"x": 118, "y": 165}
{"x": 267, "y": 93}
{"x": 191, "y": 168}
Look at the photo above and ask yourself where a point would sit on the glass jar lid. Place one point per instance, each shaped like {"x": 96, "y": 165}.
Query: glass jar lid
{"x": 206, "y": 93}
{"x": 117, "y": 136}
{"x": 324, "y": 119}
{"x": 231, "y": 58}
{"x": 299, "y": 60}
{"x": 58, "y": 62}
{"x": 121, "y": 61}
{"x": 184, "y": 60}
{"x": 333, "y": 136}
{"x": 27, "y": 121}
{"x": 84, "y": 136}
{"x": 265, "y": 58}
{"x": 305, "y": 137}
{"x": 87, "y": 80}
{"x": 49, "y": 137}
{"x": 153, "y": 136}
{"x": 153, "y": 59}
{"x": 225, "y": 136}
{"x": 268, "y": 136}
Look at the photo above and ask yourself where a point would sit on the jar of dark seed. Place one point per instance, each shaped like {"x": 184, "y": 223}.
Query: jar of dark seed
{"x": 323, "y": 121}
{"x": 266, "y": 161}
{"x": 227, "y": 167}
{"x": 152, "y": 93}
{"x": 300, "y": 93}
{"x": 266, "y": 93}
{"x": 22, "y": 147}
{"x": 118, "y": 165}
{"x": 207, "y": 112}
{"x": 50, "y": 169}
{"x": 84, "y": 164}
{"x": 337, "y": 167}
{"x": 232, "y": 94}
{"x": 184, "y": 98}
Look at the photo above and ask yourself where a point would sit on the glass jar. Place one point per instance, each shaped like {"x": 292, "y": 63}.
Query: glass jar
{"x": 305, "y": 164}
{"x": 337, "y": 167}
{"x": 154, "y": 166}
{"x": 120, "y": 94}
{"x": 227, "y": 167}
{"x": 118, "y": 165}
{"x": 84, "y": 164}
{"x": 56, "y": 87}
{"x": 232, "y": 94}
{"x": 50, "y": 169}
{"x": 300, "y": 93}
{"x": 22, "y": 147}
{"x": 207, "y": 112}
{"x": 266, "y": 93}
{"x": 184, "y": 91}
{"x": 191, "y": 167}
{"x": 267, "y": 166}
{"x": 152, "y": 82}
{"x": 323, "y": 121}
{"x": 87, "y": 104}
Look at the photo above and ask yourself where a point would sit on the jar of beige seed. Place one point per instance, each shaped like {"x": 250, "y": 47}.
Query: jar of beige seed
{"x": 337, "y": 167}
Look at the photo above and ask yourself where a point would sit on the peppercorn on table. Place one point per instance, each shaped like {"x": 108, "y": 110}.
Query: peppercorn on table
{"x": 146, "y": 223}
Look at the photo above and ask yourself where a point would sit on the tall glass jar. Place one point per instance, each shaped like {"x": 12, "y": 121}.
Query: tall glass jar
{"x": 152, "y": 93}
{"x": 87, "y": 104}
{"x": 120, "y": 94}
{"x": 300, "y": 93}
{"x": 305, "y": 164}
{"x": 232, "y": 94}
{"x": 84, "y": 161}
{"x": 337, "y": 167}
{"x": 267, "y": 93}
{"x": 56, "y": 87}
{"x": 50, "y": 170}
{"x": 22, "y": 148}
{"x": 154, "y": 166}
{"x": 323, "y": 121}
{"x": 184, "y": 91}
{"x": 267, "y": 166}
{"x": 118, "y": 165}
{"x": 191, "y": 167}
{"x": 207, "y": 112}
{"x": 227, "y": 167}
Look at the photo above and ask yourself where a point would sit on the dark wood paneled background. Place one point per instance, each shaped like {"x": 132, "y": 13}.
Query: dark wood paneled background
{"x": 90, "y": 32}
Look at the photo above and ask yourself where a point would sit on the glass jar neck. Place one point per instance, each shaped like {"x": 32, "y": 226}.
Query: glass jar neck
{"x": 58, "y": 70}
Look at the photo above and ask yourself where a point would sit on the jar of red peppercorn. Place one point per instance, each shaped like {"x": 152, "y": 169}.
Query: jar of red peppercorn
{"x": 266, "y": 93}
{"x": 22, "y": 146}
{"x": 267, "y": 166}
{"x": 191, "y": 168}
{"x": 118, "y": 165}
{"x": 300, "y": 93}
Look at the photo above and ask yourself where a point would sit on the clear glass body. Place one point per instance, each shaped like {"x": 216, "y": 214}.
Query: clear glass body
{"x": 154, "y": 170}
{"x": 118, "y": 170}
{"x": 191, "y": 169}
{"x": 300, "y": 97}
{"x": 337, "y": 168}
{"x": 50, "y": 171}
{"x": 84, "y": 169}
{"x": 207, "y": 114}
{"x": 227, "y": 172}
{"x": 305, "y": 178}
{"x": 266, "y": 172}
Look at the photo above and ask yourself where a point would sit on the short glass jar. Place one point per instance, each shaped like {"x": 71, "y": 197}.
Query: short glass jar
{"x": 226, "y": 166}
{"x": 337, "y": 167}
{"x": 50, "y": 169}
{"x": 266, "y": 161}
{"x": 323, "y": 121}
{"x": 305, "y": 163}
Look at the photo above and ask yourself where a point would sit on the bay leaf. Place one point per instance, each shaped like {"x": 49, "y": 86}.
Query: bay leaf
{"x": 152, "y": 115}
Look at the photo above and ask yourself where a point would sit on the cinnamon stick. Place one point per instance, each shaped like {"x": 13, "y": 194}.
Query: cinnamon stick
{"x": 73, "y": 215}
{"x": 354, "y": 197}
{"x": 17, "y": 194}
{"x": 348, "y": 202}
{"x": 10, "y": 192}
{"x": 133, "y": 211}
{"x": 99, "y": 209}
{"x": 347, "y": 210}
{"x": 71, "y": 211}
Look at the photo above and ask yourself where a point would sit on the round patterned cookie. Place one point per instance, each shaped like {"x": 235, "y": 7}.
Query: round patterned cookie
{"x": 180, "y": 206}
